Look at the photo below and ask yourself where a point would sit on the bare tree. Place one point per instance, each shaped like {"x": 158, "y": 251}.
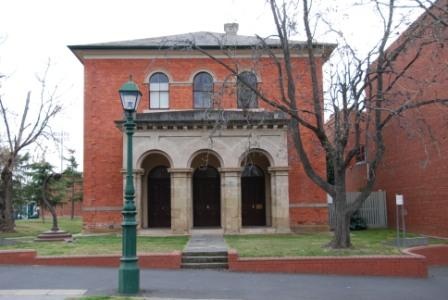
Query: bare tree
{"x": 33, "y": 125}
{"x": 360, "y": 96}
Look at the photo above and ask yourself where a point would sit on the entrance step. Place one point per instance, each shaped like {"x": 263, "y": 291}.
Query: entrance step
{"x": 204, "y": 260}
{"x": 205, "y": 251}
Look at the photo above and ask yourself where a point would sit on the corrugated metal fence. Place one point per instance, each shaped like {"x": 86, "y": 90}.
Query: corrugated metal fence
{"x": 373, "y": 210}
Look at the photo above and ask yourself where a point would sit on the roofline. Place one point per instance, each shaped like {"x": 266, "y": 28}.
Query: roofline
{"x": 329, "y": 48}
{"x": 162, "y": 47}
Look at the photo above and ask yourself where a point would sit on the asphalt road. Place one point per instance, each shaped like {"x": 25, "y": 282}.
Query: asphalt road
{"x": 199, "y": 284}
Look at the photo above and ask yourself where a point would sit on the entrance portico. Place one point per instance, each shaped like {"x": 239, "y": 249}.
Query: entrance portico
{"x": 232, "y": 176}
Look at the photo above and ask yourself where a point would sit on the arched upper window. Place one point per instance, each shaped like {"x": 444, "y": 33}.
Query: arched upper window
{"x": 247, "y": 98}
{"x": 158, "y": 91}
{"x": 203, "y": 90}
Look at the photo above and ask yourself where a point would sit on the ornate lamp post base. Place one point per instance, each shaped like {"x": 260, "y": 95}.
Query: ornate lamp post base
{"x": 128, "y": 277}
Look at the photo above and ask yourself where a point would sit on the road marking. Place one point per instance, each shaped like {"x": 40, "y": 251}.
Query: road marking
{"x": 42, "y": 292}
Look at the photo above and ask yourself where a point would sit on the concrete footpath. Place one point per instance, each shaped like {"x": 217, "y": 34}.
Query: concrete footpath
{"x": 201, "y": 242}
{"x": 206, "y": 284}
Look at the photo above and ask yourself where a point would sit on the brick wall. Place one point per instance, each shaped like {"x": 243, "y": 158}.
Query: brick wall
{"x": 415, "y": 163}
{"x": 103, "y": 141}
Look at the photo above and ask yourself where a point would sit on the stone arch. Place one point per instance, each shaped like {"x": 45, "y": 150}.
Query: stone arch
{"x": 205, "y": 156}
{"x": 163, "y": 154}
{"x": 254, "y": 152}
{"x": 161, "y": 70}
{"x": 196, "y": 72}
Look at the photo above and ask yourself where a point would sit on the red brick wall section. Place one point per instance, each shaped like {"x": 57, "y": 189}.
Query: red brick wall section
{"x": 103, "y": 142}
{"x": 17, "y": 257}
{"x": 65, "y": 209}
{"x": 415, "y": 163}
{"x": 402, "y": 266}
{"x": 436, "y": 255}
{"x": 28, "y": 257}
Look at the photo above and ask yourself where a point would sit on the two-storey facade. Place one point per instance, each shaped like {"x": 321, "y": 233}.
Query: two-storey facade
{"x": 208, "y": 153}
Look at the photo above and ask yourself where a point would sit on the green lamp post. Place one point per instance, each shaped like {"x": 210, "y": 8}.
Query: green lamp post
{"x": 129, "y": 273}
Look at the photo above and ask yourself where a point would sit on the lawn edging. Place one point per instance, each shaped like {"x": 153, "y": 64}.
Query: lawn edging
{"x": 436, "y": 255}
{"x": 148, "y": 260}
{"x": 414, "y": 263}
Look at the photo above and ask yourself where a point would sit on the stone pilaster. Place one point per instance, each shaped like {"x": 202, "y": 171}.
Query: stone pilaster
{"x": 231, "y": 199}
{"x": 181, "y": 200}
{"x": 280, "y": 198}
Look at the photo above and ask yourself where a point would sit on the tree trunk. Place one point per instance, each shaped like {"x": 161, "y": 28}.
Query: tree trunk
{"x": 7, "y": 223}
{"x": 72, "y": 213}
{"x": 341, "y": 238}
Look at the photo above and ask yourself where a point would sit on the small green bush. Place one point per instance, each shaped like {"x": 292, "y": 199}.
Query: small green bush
{"x": 357, "y": 222}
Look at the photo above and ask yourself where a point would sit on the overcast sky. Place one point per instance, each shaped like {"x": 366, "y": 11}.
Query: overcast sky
{"x": 34, "y": 31}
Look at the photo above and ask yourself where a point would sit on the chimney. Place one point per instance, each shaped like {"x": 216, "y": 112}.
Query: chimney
{"x": 231, "y": 28}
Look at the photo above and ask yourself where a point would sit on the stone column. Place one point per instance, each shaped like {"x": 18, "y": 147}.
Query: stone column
{"x": 280, "y": 199}
{"x": 231, "y": 199}
{"x": 181, "y": 200}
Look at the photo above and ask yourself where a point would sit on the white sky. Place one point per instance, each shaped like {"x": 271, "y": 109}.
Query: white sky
{"x": 33, "y": 31}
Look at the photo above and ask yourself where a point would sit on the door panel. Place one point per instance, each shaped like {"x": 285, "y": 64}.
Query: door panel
{"x": 206, "y": 198}
{"x": 253, "y": 197}
{"x": 159, "y": 196}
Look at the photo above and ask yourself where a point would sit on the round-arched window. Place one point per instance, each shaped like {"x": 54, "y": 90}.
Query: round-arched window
{"x": 159, "y": 91}
{"x": 246, "y": 84}
{"x": 203, "y": 90}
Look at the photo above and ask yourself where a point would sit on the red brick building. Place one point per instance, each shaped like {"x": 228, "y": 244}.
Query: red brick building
{"x": 415, "y": 162}
{"x": 207, "y": 152}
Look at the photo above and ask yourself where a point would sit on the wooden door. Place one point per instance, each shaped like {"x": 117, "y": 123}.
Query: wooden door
{"x": 159, "y": 196}
{"x": 253, "y": 196}
{"x": 206, "y": 198}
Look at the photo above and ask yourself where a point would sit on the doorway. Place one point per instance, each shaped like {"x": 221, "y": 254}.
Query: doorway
{"x": 159, "y": 196}
{"x": 206, "y": 197}
{"x": 253, "y": 196}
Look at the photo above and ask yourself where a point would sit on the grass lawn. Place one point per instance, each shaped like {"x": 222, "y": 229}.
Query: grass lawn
{"x": 33, "y": 227}
{"x": 27, "y": 230}
{"x": 366, "y": 242}
{"x": 98, "y": 245}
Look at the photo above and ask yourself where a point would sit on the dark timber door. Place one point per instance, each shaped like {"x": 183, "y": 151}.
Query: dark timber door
{"x": 206, "y": 197}
{"x": 253, "y": 196}
{"x": 159, "y": 194}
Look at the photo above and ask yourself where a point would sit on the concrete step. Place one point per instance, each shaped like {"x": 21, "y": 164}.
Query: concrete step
{"x": 204, "y": 265}
{"x": 204, "y": 259}
{"x": 204, "y": 253}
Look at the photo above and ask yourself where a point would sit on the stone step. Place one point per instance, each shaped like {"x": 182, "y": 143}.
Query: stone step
{"x": 204, "y": 259}
{"x": 204, "y": 253}
{"x": 204, "y": 265}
